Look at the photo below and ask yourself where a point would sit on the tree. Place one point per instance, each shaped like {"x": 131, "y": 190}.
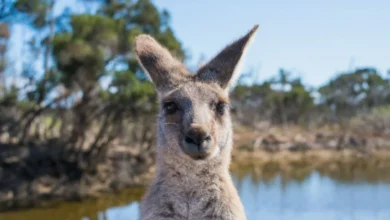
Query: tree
{"x": 282, "y": 80}
{"x": 4, "y": 37}
{"x": 81, "y": 52}
{"x": 281, "y": 100}
{"x": 351, "y": 92}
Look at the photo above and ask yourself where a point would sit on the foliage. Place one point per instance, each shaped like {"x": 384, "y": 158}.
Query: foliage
{"x": 90, "y": 77}
{"x": 375, "y": 122}
{"x": 353, "y": 91}
{"x": 281, "y": 100}
{"x": 4, "y": 37}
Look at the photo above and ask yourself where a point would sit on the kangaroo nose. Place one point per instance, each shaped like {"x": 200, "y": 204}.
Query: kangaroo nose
{"x": 197, "y": 141}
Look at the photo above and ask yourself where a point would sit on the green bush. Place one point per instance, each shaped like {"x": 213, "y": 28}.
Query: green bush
{"x": 377, "y": 121}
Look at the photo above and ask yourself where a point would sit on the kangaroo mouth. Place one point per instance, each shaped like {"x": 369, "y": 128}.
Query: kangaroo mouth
{"x": 195, "y": 152}
{"x": 199, "y": 156}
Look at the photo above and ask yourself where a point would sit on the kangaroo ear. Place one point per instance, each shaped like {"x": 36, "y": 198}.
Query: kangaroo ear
{"x": 165, "y": 71}
{"x": 223, "y": 68}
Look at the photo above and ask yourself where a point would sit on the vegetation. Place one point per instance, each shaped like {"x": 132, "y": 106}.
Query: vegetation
{"x": 285, "y": 100}
{"x": 80, "y": 90}
{"x": 375, "y": 122}
{"x": 89, "y": 85}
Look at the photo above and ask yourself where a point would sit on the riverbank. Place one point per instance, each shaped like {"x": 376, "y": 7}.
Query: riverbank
{"x": 34, "y": 176}
{"x": 343, "y": 165}
{"x": 294, "y": 138}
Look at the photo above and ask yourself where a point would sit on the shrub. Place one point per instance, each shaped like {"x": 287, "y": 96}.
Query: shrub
{"x": 377, "y": 121}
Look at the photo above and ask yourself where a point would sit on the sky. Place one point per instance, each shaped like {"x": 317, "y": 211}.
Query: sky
{"x": 313, "y": 39}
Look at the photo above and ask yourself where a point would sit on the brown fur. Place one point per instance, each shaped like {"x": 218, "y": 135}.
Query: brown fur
{"x": 185, "y": 186}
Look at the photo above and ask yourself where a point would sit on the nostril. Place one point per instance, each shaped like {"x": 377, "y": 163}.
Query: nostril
{"x": 189, "y": 140}
{"x": 197, "y": 137}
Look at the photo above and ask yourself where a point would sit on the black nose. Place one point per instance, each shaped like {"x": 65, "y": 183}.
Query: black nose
{"x": 197, "y": 141}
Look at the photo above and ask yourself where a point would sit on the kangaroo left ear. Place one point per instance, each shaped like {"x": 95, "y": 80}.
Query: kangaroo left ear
{"x": 223, "y": 68}
{"x": 164, "y": 70}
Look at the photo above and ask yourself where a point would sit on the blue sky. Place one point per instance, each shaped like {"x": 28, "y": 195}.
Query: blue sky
{"x": 313, "y": 39}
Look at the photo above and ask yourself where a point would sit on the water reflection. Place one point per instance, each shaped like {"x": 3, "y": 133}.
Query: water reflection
{"x": 359, "y": 190}
{"x": 122, "y": 205}
{"x": 317, "y": 197}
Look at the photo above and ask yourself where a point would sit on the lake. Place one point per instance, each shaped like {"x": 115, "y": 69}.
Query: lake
{"x": 347, "y": 192}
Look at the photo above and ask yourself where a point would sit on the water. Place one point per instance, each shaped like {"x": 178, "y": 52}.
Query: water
{"x": 317, "y": 197}
{"x": 340, "y": 194}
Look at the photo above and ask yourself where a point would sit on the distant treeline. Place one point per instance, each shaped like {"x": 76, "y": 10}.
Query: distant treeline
{"x": 285, "y": 100}
{"x": 81, "y": 86}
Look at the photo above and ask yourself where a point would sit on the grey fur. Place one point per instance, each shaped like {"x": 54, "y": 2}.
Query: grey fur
{"x": 184, "y": 187}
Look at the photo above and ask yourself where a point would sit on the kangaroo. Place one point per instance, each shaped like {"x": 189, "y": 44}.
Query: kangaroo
{"x": 194, "y": 140}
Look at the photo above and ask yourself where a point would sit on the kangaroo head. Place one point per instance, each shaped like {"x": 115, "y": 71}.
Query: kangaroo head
{"x": 194, "y": 117}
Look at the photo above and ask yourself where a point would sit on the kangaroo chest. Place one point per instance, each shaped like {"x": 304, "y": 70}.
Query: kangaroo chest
{"x": 204, "y": 201}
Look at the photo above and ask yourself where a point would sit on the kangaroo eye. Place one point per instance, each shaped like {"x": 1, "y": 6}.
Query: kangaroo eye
{"x": 170, "y": 108}
{"x": 221, "y": 108}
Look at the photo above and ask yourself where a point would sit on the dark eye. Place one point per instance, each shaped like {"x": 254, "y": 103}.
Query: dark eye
{"x": 170, "y": 108}
{"x": 221, "y": 108}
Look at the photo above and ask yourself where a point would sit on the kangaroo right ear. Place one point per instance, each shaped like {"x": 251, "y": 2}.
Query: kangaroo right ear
{"x": 165, "y": 71}
{"x": 223, "y": 68}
